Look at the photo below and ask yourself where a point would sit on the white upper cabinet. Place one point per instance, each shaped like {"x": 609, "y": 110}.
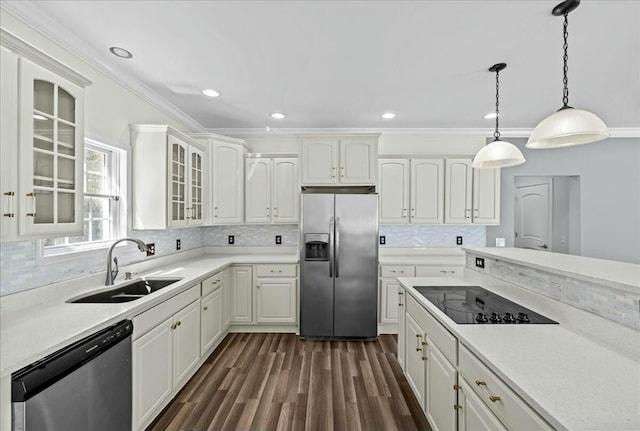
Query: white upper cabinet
{"x": 336, "y": 160}
{"x": 272, "y": 194}
{"x": 411, "y": 191}
{"x": 41, "y": 144}
{"x": 471, "y": 195}
{"x": 227, "y": 180}
{"x": 169, "y": 171}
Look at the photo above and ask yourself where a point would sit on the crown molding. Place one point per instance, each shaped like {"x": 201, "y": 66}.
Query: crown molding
{"x": 28, "y": 13}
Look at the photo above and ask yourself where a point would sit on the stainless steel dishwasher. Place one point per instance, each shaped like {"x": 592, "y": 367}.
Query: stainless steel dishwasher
{"x": 85, "y": 386}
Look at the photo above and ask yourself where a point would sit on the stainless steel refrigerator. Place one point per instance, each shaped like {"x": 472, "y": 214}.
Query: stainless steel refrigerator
{"x": 339, "y": 265}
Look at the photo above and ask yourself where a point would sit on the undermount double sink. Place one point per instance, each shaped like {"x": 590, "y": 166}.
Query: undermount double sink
{"x": 127, "y": 292}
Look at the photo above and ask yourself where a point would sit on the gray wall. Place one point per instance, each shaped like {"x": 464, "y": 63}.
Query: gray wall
{"x": 609, "y": 194}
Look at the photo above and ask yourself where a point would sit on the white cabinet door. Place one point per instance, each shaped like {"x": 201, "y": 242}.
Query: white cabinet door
{"x": 441, "y": 395}
{"x": 486, "y": 196}
{"x": 241, "y": 294}
{"x": 186, "y": 342}
{"x": 473, "y": 415}
{"x": 320, "y": 161}
{"x": 227, "y": 176}
{"x": 177, "y": 157}
{"x": 51, "y": 153}
{"x": 211, "y": 319}
{"x": 427, "y": 191}
{"x": 402, "y": 321}
{"x": 414, "y": 368}
{"x": 285, "y": 198}
{"x": 152, "y": 370}
{"x": 226, "y": 298}
{"x": 8, "y": 145}
{"x": 393, "y": 187}
{"x": 389, "y": 301}
{"x": 276, "y": 300}
{"x": 257, "y": 190}
{"x": 196, "y": 188}
{"x": 458, "y": 180}
{"x": 358, "y": 160}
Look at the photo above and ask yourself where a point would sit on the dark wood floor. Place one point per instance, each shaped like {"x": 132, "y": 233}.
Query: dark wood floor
{"x": 281, "y": 382}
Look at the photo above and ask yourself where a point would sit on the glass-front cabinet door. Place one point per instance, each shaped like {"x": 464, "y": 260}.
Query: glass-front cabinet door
{"x": 195, "y": 209}
{"x": 178, "y": 152}
{"x": 51, "y": 153}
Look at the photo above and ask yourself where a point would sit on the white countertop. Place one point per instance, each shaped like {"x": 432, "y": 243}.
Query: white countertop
{"x": 421, "y": 256}
{"x": 574, "y": 382}
{"x": 607, "y": 272}
{"x": 31, "y": 328}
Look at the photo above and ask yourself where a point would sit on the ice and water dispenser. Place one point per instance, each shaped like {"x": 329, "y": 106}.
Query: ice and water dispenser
{"x": 316, "y": 246}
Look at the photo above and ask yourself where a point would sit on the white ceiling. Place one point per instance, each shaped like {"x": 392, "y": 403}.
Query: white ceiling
{"x": 331, "y": 64}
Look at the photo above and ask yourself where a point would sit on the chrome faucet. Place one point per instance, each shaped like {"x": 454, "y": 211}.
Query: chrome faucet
{"x": 112, "y": 274}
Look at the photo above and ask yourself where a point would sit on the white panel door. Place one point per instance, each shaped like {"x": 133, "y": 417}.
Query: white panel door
{"x": 473, "y": 415}
{"x": 394, "y": 191}
{"x": 427, "y": 191}
{"x": 241, "y": 294}
{"x": 276, "y": 300}
{"x": 227, "y": 175}
{"x": 358, "y": 161}
{"x": 286, "y": 192}
{"x": 320, "y": 161}
{"x": 414, "y": 368}
{"x": 401, "y": 328}
{"x": 211, "y": 319}
{"x": 257, "y": 190}
{"x": 186, "y": 342}
{"x": 441, "y": 397}
{"x": 458, "y": 179}
{"x": 533, "y": 217}
{"x": 152, "y": 370}
{"x": 8, "y": 145}
{"x": 389, "y": 301}
{"x": 486, "y": 196}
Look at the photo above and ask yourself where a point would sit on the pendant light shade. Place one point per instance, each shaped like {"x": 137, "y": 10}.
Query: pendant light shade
{"x": 567, "y": 126}
{"x": 499, "y": 153}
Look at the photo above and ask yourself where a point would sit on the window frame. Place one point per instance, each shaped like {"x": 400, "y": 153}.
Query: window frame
{"x": 117, "y": 165}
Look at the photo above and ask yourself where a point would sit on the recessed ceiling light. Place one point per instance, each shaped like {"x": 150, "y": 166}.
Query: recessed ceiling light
{"x": 39, "y": 117}
{"x": 277, "y": 115}
{"x": 120, "y": 52}
{"x": 388, "y": 115}
{"x": 210, "y": 92}
{"x": 490, "y": 116}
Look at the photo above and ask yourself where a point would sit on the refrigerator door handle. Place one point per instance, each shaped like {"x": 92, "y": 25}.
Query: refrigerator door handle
{"x": 337, "y": 252}
{"x": 331, "y": 247}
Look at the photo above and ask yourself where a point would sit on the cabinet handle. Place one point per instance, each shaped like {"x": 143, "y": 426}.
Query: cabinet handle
{"x": 32, "y": 195}
{"x": 424, "y": 350}
{"x": 457, "y": 407}
{"x": 216, "y": 212}
{"x": 275, "y": 212}
{"x": 404, "y": 213}
{"x": 257, "y": 286}
{"x": 481, "y": 383}
{"x": 418, "y": 346}
{"x": 178, "y": 324}
{"x": 467, "y": 213}
{"x": 456, "y": 387}
{"x": 205, "y": 308}
{"x": 173, "y": 326}
{"x": 494, "y": 398}
{"x": 9, "y": 196}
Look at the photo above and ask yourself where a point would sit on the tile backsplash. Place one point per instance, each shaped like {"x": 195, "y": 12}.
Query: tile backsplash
{"x": 19, "y": 269}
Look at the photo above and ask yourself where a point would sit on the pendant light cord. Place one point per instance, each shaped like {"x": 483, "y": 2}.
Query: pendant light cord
{"x": 496, "y": 134}
{"x": 565, "y": 79}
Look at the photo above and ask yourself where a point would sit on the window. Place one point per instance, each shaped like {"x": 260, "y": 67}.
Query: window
{"x": 103, "y": 186}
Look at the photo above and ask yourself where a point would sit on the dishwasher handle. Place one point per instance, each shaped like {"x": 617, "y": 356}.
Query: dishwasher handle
{"x": 34, "y": 378}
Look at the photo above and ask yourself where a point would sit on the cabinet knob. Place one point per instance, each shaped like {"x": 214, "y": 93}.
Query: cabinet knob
{"x": 179, "y": 323}
{"x": 456, "y": 387}
{"x": 457, "y": 407}
{"x": 481, "y": 383}
{"x": 205, "y": 308}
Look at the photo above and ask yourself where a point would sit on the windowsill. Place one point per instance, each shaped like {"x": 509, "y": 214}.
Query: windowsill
{"x": 68, "y": 253}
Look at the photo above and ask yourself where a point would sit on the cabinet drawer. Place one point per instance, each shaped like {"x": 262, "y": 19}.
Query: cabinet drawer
{"x": 438, "y": 271}
{"x": 154, "y": 316}
{"x": 212, "y": 284}
{"x": 397, "y": 271}
{"x": 445, "y": 341}
{"x": 507, "y": 405}
{"x": 276, "y": 270}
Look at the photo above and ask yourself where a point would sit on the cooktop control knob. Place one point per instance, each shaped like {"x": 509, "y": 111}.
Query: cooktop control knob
{"x": 481, "y": 318}
{"x": 495, "y": 318}
{"x": 523, "y": 317}
{"x": 509, "y": 318}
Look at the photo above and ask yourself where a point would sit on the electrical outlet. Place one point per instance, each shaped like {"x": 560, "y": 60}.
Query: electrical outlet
{"x": 500, "y": 242}
{"x": 151, "y": 249}
{"x": 178, "y": 245}
{"x": 278, "y": 239}
{"x": 458, "y": 240}
{"x": 232, "y": 239}
{"x": 383, "y": 240}
{"x": 480, "y": 262}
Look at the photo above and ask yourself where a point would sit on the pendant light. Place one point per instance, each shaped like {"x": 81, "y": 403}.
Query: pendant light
{"x": 568, "y": 126}
{"x": 499, "y": 153}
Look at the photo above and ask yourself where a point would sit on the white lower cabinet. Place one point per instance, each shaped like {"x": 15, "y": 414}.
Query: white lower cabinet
{"x": 473, "y": 415}
{"x": 389, "y": 300}
{"x": 414, "y": 368}
{"x": 441, "y": 397}
{"x": 212, "y": 319}
{"x": 276, "y": 294}
{"x": 226, "y": 298}
{"x": 165, "y": 353}
{"x": 242, "y": 294}
{"x": 401, "y": 328}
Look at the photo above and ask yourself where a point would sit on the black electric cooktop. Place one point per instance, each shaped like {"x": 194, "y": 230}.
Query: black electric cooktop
{"x": 475, "y": 305}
